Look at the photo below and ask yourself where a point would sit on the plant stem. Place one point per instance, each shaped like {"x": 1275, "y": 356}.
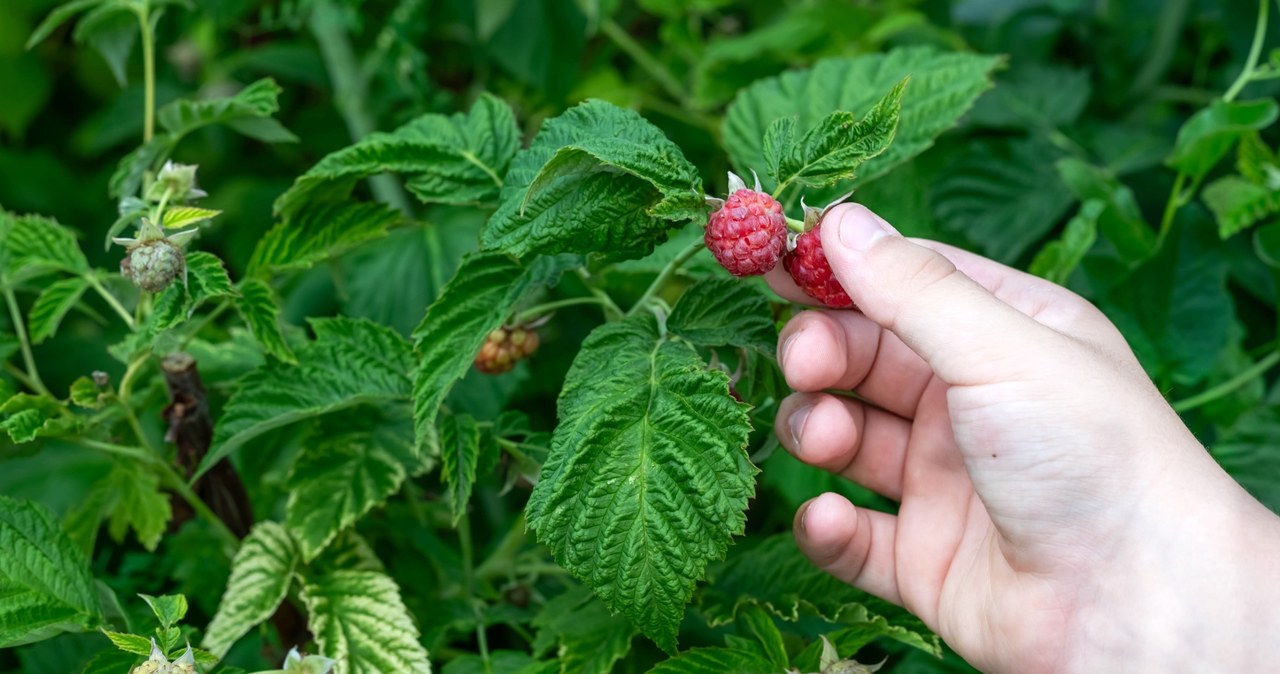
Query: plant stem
{"x": 20, "y": 329}
{"x": 649, "y": 64}
{"x": 148, "y": 72}
{"x": 19, "y": 374}
{"x": 205, "y": 321}
{"x": 672, "y": 267}
{"x": 1255, "y": 50}
{"x": 1171, "y": 208}
{"x": 137, "y": 453}
{"x": 1229, "y": 386}
{"x": 350, "y": 92}
{"x": 612, "y": 311}
{"x": 541, "y": 309}
{"x": 501, "y": 562}
{"x": 111, "y": 300}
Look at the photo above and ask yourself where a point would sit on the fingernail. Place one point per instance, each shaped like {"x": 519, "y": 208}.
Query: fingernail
{"x": 804, "y": 512}
{"x": 860, "y": 228}
{"x": 786, "y": 348}
{"x": 796, "y": 424}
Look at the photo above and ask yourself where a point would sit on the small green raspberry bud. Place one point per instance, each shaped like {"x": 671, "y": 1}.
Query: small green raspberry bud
{"x": 178, "y": 180}
{"x": 153, "y": 265}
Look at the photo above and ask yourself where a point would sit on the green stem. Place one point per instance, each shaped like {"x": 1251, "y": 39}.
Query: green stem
{"x": 204, "y": 322}
{"x": 126, "y": 382}
{"x": 136, "y": 453}
{"x": 20, "y": 330}
{"x": 1229, "y": 386}
{"x": 148, "y": 72}
{"x": 672, "y": 267}
{"x": 1255, "y": 51}
{"x": 612, "y": 311}
{"x": 111, "y": 300}
{"x": 649, "y": 64}
{"x": 19, "y": 374}
{"x": 350, "y": 92}
{"x": 501, "y": 562}
{"x": 1171, "y": 207}
{"x": 542, "y": 309}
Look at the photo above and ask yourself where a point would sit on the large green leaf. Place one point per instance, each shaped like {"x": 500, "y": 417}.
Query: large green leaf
{"x": 716, "y": 661}
{"x": 351, "y": 362}
{"x": 261, "y": 311}
{"x": 647, "y": 479}
{"x": 260, "y": 576}
{"x": 52, "y": 306}
{"x": 1175, "y": 309}
{"x": 319, "y": 231}
{"x": 725, "y": 312}
{"x": 1210, "y": 134}
{"x": 255, "y": 102}
{"x": 459, "y": 457}
{"x": 1035, "y": 97}
{"x": 585, "y": 636}
{"x": 31, "y": 246}
{"x": 776, "y": 576}
{"x": 596, "y": 179}
{"x": 134, "y": 501}
{"x": 345, "y": 470}
{"x": 60, "y": 15}
{"x": 475, "y": 302}
{"x": 1002, "y": 195}
{"x": 943, "y": 86}
{"x": 457, "y": 159}
{"x": 45, "y": 585}
{"x": 1120, "y": 221}
{"x": 835, "y": 147}
{"x": 359, "y": 620}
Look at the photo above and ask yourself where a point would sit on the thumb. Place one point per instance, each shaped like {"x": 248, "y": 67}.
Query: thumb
{"x": 964, "y": 332}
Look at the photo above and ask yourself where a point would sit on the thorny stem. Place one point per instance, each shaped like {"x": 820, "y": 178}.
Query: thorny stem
{"x": 111, "y": 300}
{"x": 672, "y": 267}
{"x": 20, "y": 329}
{"x": 648, "y": 63}
{"x": 1255, "y": 50}
{"x": 1229, "y": 386}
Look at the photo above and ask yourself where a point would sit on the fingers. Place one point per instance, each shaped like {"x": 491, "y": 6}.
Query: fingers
{"x": 846, "y": 350}
{"x": 853, "y": 544}
{"x": 843, "y": 436}
{"x": 964, "y": 332}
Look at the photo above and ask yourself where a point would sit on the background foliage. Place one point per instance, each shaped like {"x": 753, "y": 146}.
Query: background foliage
{"x": 360, "y": 153}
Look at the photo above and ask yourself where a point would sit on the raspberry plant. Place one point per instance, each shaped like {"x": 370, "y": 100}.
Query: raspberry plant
{"x": 476, "y": 396}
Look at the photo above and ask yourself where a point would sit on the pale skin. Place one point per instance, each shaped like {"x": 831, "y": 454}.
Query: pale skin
{"x": 1056, "y": 515}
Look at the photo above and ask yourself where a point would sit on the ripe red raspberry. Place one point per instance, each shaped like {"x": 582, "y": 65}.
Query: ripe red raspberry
{"x": 808, "y": 265}
{"x": 504, "y": 348}
{"x": 749, "y": 233}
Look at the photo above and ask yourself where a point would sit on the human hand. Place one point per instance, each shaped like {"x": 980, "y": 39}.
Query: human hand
{"x": 1056, "y": 515}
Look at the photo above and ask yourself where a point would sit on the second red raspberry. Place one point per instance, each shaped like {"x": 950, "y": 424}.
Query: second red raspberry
{"x": 811, "y": 271}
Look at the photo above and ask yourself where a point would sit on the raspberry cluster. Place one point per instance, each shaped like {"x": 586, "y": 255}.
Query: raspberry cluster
{"x": 747, "y": 234}
{"x": 505, "y": 347}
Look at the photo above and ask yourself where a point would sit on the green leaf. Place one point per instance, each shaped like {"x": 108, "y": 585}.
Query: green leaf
{"x": 1210, "y": 134}
{"x": 759, "y": 623}
{"x": 1247, "y": 452}
{"x": 775, "y": 575}
{"x": 1266, "y": 243}
{"x": 596, "y": 179}
{"x": 1035, "y": 97}
{"x": 725, "y": 312}
{"x": 1059, "y": 258}
{"x": 206, "y": 279}
{"x": 258, "y": 100}
{"x": 584, "y": 635}
{"x": 458, "y": 159}
{"x": 25, "y": 417}
{"x": 45, "y": 586}
{"x": 833, "y": 150}
{"x": 1175, "y": 310}
{"x": 135, "y": 501}
{"x": 943, "y": 87}
{"x": 86, "y": 394}
{"x": 60, "y": 15}
{"x": 316, "y": 232}
{"x": 1120, "y": 221}
{"x": 347, "y": 469}
{"x": 52, "y": 306}
{"x": 1002, "y": 195}
{"x": 169, "y": 609}
{"x": 499, "y": 662}
{"x": 31, "y": 246}
{"x": 647, "y": 480}
{"x": 1257, "y": 161}
{"x": 476, "y": 301}
{"x": 260, "y": 576}
{"x": 359, "y": 620}
{"x": 129, "y": 643}
{"x": 459, "y": 455}
{"x": 110, "y": 662}
{"x": 176, "y": 217}
{"x": 849, "y": 640}
{"x": 261, "y": 311}
{"x": 351, "y": 362}
{"x": 126, "y": 181}
{"x": 111, "y": 29}
{"x": 716, "y": 661}
{"x": 1238, "y": 203}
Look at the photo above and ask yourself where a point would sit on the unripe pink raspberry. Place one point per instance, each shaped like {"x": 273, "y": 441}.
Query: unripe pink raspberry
{"x": 748, "y": 234}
